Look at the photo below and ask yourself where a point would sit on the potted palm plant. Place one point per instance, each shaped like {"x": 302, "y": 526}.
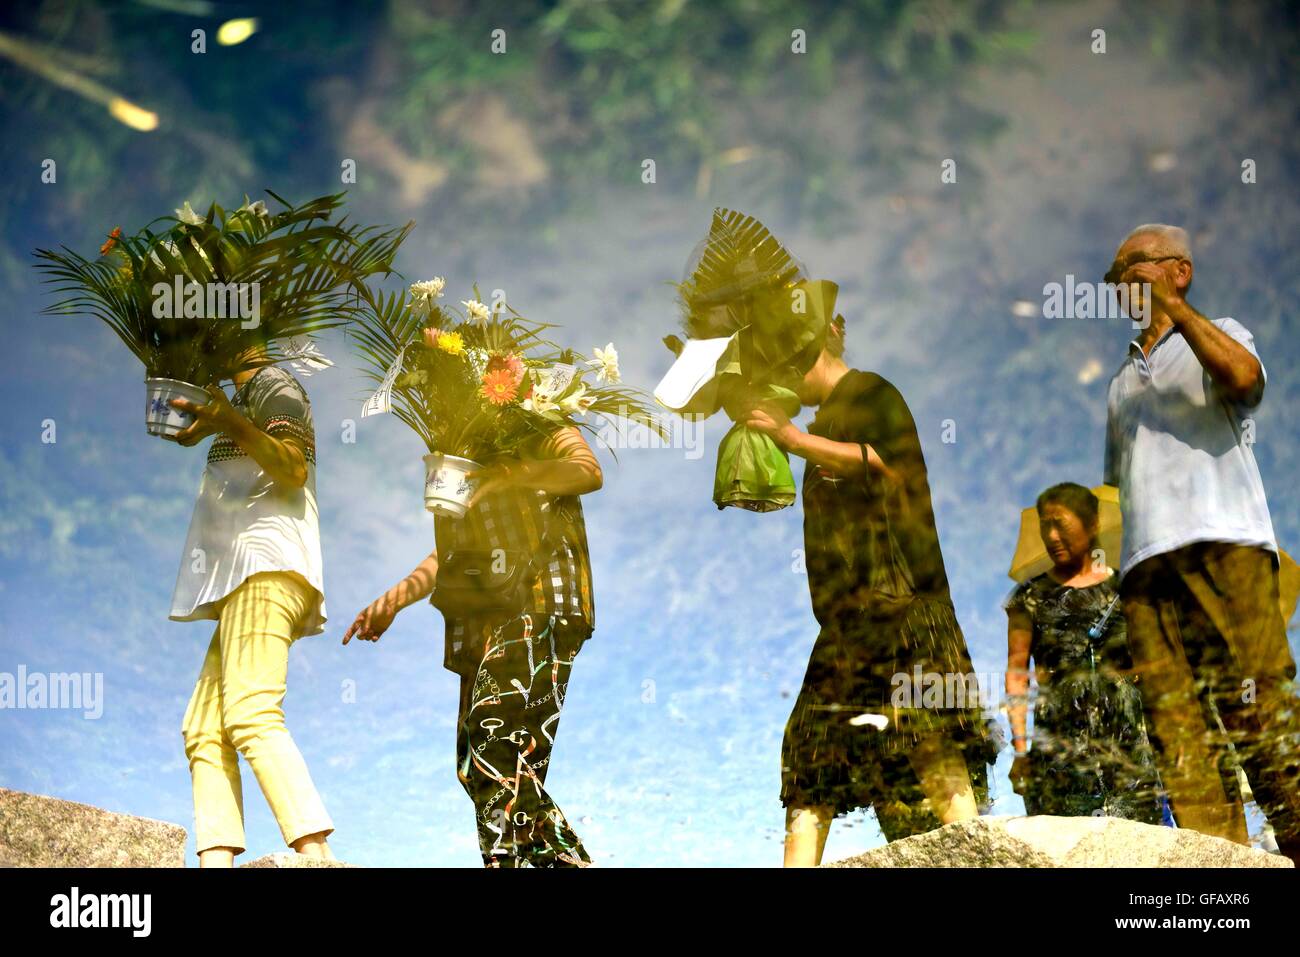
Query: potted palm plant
{"x": 475, "y": 383}
{"x": 198, "y": 298}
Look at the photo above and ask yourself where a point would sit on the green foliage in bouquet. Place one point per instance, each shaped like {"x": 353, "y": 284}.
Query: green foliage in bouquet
{"x": 483, "y": 381}
{"x": 301, "y": 265}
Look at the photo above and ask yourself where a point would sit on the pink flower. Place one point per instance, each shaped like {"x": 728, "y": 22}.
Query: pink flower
{"x": 507, "y": 363}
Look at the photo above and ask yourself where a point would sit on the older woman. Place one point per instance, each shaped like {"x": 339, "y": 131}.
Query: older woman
{"x": 1090, "y": 753}
{"x": 514, "y": 666}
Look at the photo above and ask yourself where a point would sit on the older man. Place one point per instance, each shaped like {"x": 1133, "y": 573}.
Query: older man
{"x": 1199, "y": 564}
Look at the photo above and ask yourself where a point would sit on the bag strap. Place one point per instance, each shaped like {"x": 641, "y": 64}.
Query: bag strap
{"x": 552, "y": 537}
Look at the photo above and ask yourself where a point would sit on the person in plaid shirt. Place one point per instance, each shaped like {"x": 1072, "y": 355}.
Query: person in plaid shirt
{"x": 514, "y": 669}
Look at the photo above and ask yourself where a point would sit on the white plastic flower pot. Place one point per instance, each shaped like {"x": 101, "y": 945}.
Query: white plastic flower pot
{"x": 160, "y": 418}
{"x": 447, "y": 488}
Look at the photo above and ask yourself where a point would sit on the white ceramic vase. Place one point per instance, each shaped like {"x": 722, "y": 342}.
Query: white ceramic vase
{"x": 160, "y": 418}
{"x": 447, "y": 490}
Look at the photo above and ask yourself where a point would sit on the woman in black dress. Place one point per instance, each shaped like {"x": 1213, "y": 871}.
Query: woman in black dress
{"x": 860, "y": 734}
{"x": 1090, "y": 750}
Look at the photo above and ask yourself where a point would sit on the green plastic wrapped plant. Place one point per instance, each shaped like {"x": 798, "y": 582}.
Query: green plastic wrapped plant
{"x": 756, "y": 325}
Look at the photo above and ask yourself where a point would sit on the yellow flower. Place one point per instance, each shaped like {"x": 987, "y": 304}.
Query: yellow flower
{"x": 452, "y": 343}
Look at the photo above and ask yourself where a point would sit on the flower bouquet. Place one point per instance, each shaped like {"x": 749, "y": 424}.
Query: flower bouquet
{"x": 756, "y": 326}
{"x": 479, "y": 382}
{"x": 206, "y": 296}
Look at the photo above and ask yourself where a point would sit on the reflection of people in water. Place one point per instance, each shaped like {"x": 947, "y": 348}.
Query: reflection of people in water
{"x": 255, "y": 525}
{"x": 880, "y": 593}
{"x": 1200, "y": 564}
{"x": 514, "y": 662}
{"x": 1090, "y": 754}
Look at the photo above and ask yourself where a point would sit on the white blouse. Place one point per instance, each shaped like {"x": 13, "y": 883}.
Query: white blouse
{"x": 245, "y": 523}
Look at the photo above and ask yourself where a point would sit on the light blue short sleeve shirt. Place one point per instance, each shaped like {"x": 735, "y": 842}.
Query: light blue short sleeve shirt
{"x": 1182, "y": 454}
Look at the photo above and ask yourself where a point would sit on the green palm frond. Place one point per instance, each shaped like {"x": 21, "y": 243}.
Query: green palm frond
{"x": 303, "y": 266}
{"x": 739, "y": 257}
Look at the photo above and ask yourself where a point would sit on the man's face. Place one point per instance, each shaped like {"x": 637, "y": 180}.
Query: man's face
{"x": 1149, "y": 248}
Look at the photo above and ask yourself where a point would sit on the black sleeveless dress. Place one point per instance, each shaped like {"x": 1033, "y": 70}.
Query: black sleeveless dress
{"x": 880, "y": 593}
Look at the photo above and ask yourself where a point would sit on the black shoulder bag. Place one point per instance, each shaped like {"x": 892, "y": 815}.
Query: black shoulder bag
{"x": 489, "y": 582}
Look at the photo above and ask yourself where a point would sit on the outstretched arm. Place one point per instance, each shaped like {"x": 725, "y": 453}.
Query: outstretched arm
{"x": 375, "y": 618}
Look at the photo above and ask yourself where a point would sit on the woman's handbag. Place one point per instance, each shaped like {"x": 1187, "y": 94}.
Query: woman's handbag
{"x": 488, "y": 582}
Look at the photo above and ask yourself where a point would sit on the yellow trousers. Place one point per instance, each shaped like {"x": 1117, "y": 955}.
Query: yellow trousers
{"x": 237, "y": 708}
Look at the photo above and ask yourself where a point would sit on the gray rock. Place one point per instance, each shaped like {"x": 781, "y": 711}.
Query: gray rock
{"x": 288, "y": 859}
{"x": 38, "y": 831}
{"x": 1044, "y": 841}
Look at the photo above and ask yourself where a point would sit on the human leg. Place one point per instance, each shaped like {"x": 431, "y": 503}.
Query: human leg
{"x": 509, "y": 716}
{"x": 256, "y": 630}
{"x": 1163, "y": 620}
{"x": 214, "y": 769}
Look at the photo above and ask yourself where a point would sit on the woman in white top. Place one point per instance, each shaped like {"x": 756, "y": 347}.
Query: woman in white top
{"x": 252, "y": 562}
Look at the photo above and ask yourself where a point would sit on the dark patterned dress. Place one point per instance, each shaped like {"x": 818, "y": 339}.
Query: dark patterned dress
{"x": 880, "y": 593}
{"x": 1090, "y": 751}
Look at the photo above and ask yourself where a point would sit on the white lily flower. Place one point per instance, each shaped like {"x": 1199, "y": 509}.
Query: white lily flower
{"x": 577, "y": 401}
{"x": 605, "y": 361}
{"x": 477, "y": 310}
{"x": 175, "y": 251}
{"x": 539, "y": 402}
{"x": 187, "y": 215}
{"x": 257, "y": 208}
{"x": 542, "y": 398}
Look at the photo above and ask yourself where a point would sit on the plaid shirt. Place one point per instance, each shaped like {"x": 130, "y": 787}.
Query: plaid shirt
{"x": 517, "y": 519}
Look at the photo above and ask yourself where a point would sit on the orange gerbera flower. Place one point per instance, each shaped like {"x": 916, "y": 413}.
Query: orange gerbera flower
{"x": 499, "y": 386}
{"x": 113, "y": 237}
